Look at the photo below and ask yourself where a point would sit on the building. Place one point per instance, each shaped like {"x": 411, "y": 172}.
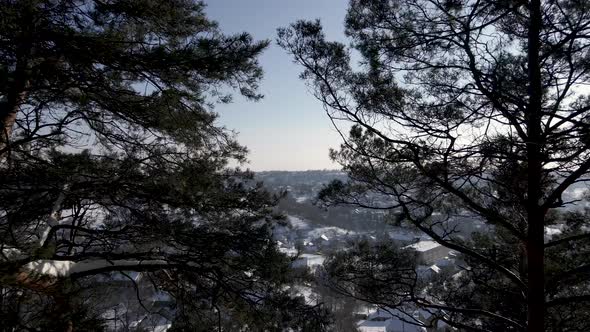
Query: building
{"x": 387, "y": 321}
{"x": 429, "y": 251}
{"x": 377, "y": 325}
{"x": 308, "y": 260}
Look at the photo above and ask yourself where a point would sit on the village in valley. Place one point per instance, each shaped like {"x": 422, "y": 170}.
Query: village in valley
{"x": 310, "y": 240}
{"x": 311, "y": 234}
{"x": 294, "y": 166}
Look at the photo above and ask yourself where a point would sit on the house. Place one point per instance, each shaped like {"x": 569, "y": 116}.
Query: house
{"x": 429, "y": 251}
{"x": 428, "y": 272}
{"x": 308, "y": 260}
{"x": 291, "y": 252}
{"x": 378, "y": 325}
{"x": 390, "y": 320}
{"x": 387, "y": 321}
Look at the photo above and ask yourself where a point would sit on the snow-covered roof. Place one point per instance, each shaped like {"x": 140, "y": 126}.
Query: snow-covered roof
{"x": 161, "y": 296}
{"x": 297, "y": 223}
{"x": 398, "y": 325}
{"x": 125, "y": 276}
{"x": 423, "y": 245}
{"x": 331, "y": 231}
{"x": 390, "y": 324}
{"x": 374, "y": 323}
{"x": 162, "y": 328}
{"x": 446, "y": 261}
{"x": 306, "y": 292}
{"x": 301, "y": 199}
{"x": 311, "y": 256}
{"x": 553, "y": 230}
{"x": 309, "y": 260}
{"x": 289, "y": 251}
{"x": 401, "y": 234}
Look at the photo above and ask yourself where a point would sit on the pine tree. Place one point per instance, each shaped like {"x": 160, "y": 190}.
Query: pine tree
{"x": 113, "y": 167}
{"x": 464, "y": 112}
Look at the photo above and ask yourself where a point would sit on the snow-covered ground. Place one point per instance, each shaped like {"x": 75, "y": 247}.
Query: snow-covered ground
{"x": 297, "y": 223}
{"x": 329, "y": 232}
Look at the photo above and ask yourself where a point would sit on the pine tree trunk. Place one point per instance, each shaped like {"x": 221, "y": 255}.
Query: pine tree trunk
{"x": 18, "y": 92}
{"x": 9, "y": 112}
{"x": 64, "y": 310}
{"x": 536, "y": 275}
{"x": 17, "y": 96}
{"x": 8, "y": 115}
{"x": 535, "y": 237}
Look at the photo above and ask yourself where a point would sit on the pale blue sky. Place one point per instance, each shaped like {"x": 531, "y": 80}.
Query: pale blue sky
{"x": 288, "y": 129}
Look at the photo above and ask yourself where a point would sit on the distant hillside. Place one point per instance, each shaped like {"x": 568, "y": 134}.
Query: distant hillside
{"x": 301, "y": 201}
{"x": 299, "y": 178}
{"x": 303, "y": 188}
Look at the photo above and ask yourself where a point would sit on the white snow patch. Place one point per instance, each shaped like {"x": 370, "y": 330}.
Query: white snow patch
{"x": 552, "y": 230}
{"x": 50, "y": 267}
{"x": 297, "y": 223}
{"x": 65, "y": 268}
{"x": 12, "y": 253}
{"x": 309, "y": 260}
{"x": 301, "y": 199}
{"x": 578, "y": 193}
{"x": 306, "y": 292}
{"x": 329, "y": 231}
{"x": 162, "y": 328}
{"x": 289, "y": 251}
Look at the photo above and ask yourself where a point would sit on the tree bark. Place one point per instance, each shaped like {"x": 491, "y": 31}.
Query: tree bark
{"x": 535, "y": 232}
{"x": 9, "y": 109}
{"x": 64, "y": 309}
{"x": 18, "y": 91}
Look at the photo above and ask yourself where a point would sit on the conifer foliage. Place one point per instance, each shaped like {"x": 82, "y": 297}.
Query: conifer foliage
{"x": 113, "y": 167}
{"x": 463, "y": 112}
